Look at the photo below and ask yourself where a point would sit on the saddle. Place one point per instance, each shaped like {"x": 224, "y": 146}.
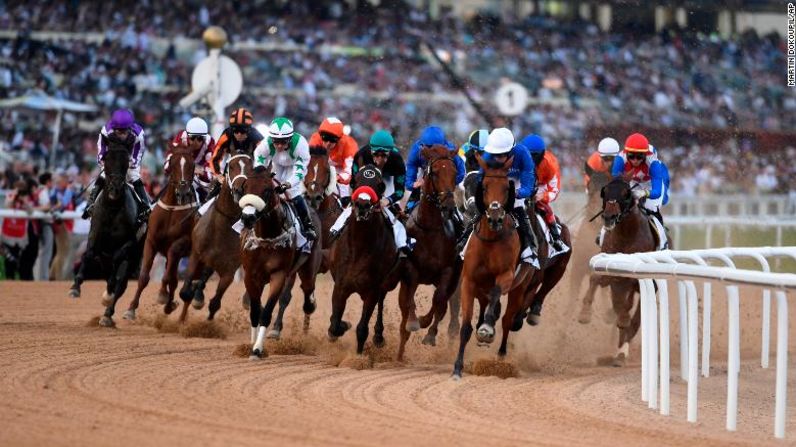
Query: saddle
{"x": 659, "y": 231}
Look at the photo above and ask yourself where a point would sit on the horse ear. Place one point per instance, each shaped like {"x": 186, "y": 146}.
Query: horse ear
{"x": 479, "y": 198}
{"x": 426, "y": 153}
{"x": 259, "y": 169}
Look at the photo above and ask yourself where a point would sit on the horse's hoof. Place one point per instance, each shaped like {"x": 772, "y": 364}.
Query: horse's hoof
{"x": 456, "y": 376}
{"x": 332, "y": 338}
{"x": 74, "y": 293}
{"x": 163, "y": 298}
{"x": 584, "y": 317}
{"x": 430, "y": 340}
{"x": 129, "y": 315}
{"x": 274, "y": 334}
{"x": 198, "y": 303}
{"x": 412, "y": 325}
{"x": 309, "y": 307}
{"x": 256, "y": 354}
{"x": 346, "y": 326}
{"x": 533, "y": 319}
{"x": 107, "y": 298}
{"x": 107, "y": 322}
{"x": 245, "y": 301}
{"x": 485, "y": 334}
{"x": 619, "y": 360}
{"x": 170, "y": 307}
{"x": 185, "y": 294}
{"x": 378, "y": 341}
{"x": 453, "y": 330}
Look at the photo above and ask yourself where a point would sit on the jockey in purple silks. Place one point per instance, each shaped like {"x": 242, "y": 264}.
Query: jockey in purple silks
{"x": 122, "y": 127}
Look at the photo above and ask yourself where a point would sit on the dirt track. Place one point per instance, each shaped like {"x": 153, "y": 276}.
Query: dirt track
{"x": 63, "y": 383}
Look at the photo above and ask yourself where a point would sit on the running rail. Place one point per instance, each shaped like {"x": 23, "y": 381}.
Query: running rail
{"x": 655, "y": 268}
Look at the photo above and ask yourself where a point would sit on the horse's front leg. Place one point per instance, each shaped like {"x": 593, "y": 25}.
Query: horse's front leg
{"x": 378, "y": 328}
{"x": 369, "y": 304}
{"x": 467, "y": 300}
{"x": 88, "y": 255}
{"x": 486, "y": 331}
{"x": 276, "y": 288}
{"x": 143, "y": 279}
{"x": 224, "y": 282}
{"x": 284, "y": 300}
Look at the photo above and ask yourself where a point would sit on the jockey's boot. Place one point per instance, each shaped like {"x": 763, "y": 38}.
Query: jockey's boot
{"x": 466, "y": 232}
{"x": 558, "y": 244}
{"x": 143, "y": 202}
{"x": 527, "y": 238}
{"x": 215, "y": 188}
{"x": 92, "y": 197}
{"x": 307, "y": 227}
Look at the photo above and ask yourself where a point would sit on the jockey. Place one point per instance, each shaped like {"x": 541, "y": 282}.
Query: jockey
{"x": 240, "y": 136}
{"x": 430, "y": 136}
{"x": 382, "y": 153}
{"x": 198, "y": 140}
{"x": 475, "y": 145}
{"x": 499, "y": 147}
{"x": 122, "y": 127}
{"x": 638, "y": 164}
{"x": 341, "y": 149}
{"x": 548, "y": 181}
{"x": 600, "y": 161}
{"x": 290, "y": 155}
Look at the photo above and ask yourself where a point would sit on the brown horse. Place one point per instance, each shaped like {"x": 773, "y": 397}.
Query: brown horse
{"x": 270, "y": 255}
{"x": 490, "y": 259}
{"x": 434, "y": 260}
{"x": 321, "y": 192}
{"x": 169, "y": 229}
{"x": 627, "y": 231}
{"x": 214, "y": 243}
{"x": 364, "y": 260}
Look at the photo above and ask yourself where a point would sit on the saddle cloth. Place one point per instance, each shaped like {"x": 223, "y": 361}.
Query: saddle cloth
{"x": 551, "y": 251}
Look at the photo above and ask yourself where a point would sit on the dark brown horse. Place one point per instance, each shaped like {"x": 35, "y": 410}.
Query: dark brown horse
{"x": 270, "y": 255}
{"x": 169, "y": 229}
{"x": 627, "y": 231}
{"x": 321, "y": 192}
{"x": 434, "y": 260}
{"x": 364, "y": 260}
{"x": 214, "y": 243}
{"x": 490, "y": 261}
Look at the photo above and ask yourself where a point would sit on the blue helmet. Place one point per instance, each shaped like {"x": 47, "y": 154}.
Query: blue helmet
{"x": 534, "y": 143}
{"x": 432, "y": 135}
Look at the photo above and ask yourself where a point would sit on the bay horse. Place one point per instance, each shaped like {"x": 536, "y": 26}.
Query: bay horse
{"x": 321, "y": 192}
{"x": 434, "y": 259}
{"x": 270, "y": 255}
{"x": 364, "y": 260}
{"x": 169, "y": 231}
{"x": 214, "y": 243}
{"x": 112, "y": 239}
{"x": 490, "y": 262}
{"x": 627, "y": 231}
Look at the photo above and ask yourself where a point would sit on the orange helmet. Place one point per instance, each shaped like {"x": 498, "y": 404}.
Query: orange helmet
{"x": 332, "y": 126}
{"x": 637, "y": 143}
{"x": 241, "y": 117}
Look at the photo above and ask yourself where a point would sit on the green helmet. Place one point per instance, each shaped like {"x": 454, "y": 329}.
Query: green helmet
{"x": 382, "y": 141}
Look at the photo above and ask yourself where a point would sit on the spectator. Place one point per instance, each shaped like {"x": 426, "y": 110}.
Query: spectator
{"x": 14, "y": 233}
{"x": 62, "y": 200}
{"x": 45, "y": 228}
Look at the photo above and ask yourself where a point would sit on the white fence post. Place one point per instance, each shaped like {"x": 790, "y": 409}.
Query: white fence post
{"x": 782, "y": 365}
{"x": 663, "y": 291}
{"x": 693, "y": 360}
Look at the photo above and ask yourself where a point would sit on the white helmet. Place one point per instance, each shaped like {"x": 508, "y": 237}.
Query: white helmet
{"x": 280, "y": 128}
{"x": 196, "y": 126}
{"x": 608, "y": 147}
{"x": 499, "y": 141}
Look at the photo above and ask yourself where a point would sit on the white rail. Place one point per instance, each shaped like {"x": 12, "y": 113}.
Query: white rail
{"x": 655, "y": 268}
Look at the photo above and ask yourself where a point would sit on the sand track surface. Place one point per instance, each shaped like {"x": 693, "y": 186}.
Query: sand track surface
{"x": 63, "y": 382}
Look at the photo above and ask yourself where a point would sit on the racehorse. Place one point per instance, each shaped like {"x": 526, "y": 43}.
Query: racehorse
{"x": 490, "y": 259}
{"x": 270, "y": 255}
{"x": 169, "y": 231}
{"x": 364, "y": 260}
{"x": 112, "y": 236}
{"x": 434, "y": 260}
{"x": 627, "y": 231}
{"x": 321, "y": 191}
{"x": 214, "y": 243}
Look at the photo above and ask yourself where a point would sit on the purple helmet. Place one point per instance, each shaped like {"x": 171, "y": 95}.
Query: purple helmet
{"x": 121, "y": 119}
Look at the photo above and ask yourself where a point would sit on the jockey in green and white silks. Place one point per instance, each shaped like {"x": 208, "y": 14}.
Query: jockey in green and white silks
{"x": 288, "y": 154}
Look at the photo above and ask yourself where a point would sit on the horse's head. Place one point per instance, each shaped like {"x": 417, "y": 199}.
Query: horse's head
{"x": 116, "y": 163}
{"x": 370, "y": 187}
{"x": 318, "y": 176}
{"x": 180, "y": 171}
{"x": 495, "y": 193}
{"x": 260, "y": 198}
{"x": 239, "y": 166}
{"x": 440, "y": 178}
{"x": 617, "y": 202}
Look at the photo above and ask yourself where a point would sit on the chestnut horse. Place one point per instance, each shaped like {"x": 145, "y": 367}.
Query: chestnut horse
{"x": 270, "y": 255}
{"x": 364, "y": 260}
{"x": 214, "y": 243}
{"x": 169, "y": 229}
{"x": 490, "y": 262}
{"x": 434, "y": 260}
{"x": 627, "y": 231}
{"x": 321, "y": 192}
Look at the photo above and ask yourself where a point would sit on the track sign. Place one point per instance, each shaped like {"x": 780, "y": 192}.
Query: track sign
{"x": 230, "y": 77}
{"x": 511, "y": 99}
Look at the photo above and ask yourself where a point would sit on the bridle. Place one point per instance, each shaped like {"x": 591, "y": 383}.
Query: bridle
{"x": 495, "y": 223}
{"x": 231, "y": 181}
{"x": 435, "y": 196}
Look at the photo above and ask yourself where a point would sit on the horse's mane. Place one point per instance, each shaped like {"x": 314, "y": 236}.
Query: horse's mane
{"x": 437, "y": 151}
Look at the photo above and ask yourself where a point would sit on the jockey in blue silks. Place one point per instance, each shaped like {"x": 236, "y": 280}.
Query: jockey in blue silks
{"x": 430, "y": 136}
{"x": 500, "y": 146}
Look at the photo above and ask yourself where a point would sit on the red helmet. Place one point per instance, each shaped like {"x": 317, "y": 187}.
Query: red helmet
{"x": 332, "y": 126}
{"x": 366, "y": 191}
{"x": 637, "y": 143}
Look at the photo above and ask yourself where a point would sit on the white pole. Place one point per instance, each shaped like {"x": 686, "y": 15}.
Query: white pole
{"x": 215, "y": 93}
{"x": 683, "y": 331}
{"x": 693, "y": 354}
{"x": 706, "y": 314}
{"x": 645, "y": 329}
{"x": 782, "y": 365}
{"x": 652, "y": 344}
{"x": 663, "y": 293}
{"x": 733, "y": 369}
{"x": 708, "y": 236}
{"x": 766, "y": 337}
{"x": 56, "y": 135}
